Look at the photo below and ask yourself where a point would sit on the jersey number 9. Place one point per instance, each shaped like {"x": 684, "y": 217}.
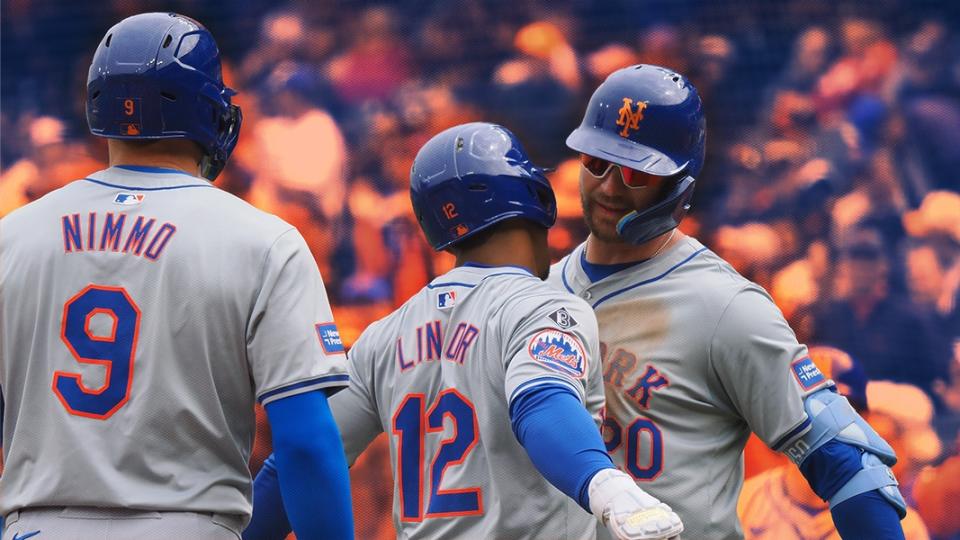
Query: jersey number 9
{"x": 408, "y": 425}
{"x": 115, "y": 352}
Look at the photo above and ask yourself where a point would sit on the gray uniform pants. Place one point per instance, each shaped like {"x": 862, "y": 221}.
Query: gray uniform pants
{"x": 85, "y": 523}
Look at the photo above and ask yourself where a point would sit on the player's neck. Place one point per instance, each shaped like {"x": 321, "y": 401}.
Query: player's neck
{"x": 601, "y": 251}
{"x": 163, "y": 156}
{"x": 510, "y": 245}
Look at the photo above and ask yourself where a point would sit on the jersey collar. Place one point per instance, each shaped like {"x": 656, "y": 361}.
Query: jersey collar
{"x": 140, "y": 178}
{"x": 470, "y": 275}
{"x": 576, "y": 280}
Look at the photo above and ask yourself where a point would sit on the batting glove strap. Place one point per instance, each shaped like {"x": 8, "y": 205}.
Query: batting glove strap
{"x": 629, "y": 512}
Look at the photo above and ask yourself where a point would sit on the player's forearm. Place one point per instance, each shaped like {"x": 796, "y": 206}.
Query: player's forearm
{"x": 311, "y": 466}
{"x": 561, "y": 439}
{"x": 867, "y": 515}
{"x": 269, "y": 521}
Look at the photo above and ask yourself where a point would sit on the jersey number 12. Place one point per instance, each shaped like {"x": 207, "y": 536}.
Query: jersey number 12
{"x": 411, "y": 425}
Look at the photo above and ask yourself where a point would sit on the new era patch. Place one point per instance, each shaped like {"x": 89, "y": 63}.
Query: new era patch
{"x": 128, "y": 199}
{"x": 330, "y": 338}
{"x": 563, "y": 318}
{"x": 807, "y": 373}
{"x": 446, "y": 299}
{"x": 559, "y": 351}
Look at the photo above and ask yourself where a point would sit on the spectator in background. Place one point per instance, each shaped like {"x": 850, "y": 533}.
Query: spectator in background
{"x": 936, "y": 489}
{"x": 378, "y": 61}
{"x": 868, "y": 57}
{"x": 937, "y": 226}
{"x": 52, "y": 161}
{"x": 902, "y": 414}
{"x": 535, "y": 88}
{"x": 929, "y": 98}
{"x": 778, "y": 503}
{"x": 891, "y": 336}
{"x": 301, "y": 161}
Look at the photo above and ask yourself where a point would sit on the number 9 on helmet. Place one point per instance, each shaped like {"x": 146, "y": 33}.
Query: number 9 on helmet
{"x": 157, "y": 76}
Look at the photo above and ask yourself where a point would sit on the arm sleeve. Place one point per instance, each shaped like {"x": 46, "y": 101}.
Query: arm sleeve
{"x": 867, "y": 515}
{"x": 560, "y": 438}
{"x": 355, "y": 408}
{"x": 312, "y": 472}
{"x": 764, "y": 372}
{"x": 831, "y": 466}
{"x": 269, "y": 521}
{"x": 293, "y": 346}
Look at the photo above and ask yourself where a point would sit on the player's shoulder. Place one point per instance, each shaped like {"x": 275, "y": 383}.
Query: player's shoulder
{"x": 231, "y": 211}
{"x": 55, "y": 201}
{"x": 714, "y": 281}
{"x": 516, "y": 301}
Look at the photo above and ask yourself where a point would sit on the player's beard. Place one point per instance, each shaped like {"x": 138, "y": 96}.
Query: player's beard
{"x": 602, "y": 215}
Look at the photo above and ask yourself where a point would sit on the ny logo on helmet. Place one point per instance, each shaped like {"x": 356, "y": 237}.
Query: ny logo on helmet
{"x": 629, "y": 118}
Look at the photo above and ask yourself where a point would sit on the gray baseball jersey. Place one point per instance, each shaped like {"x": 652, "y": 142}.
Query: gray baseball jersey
{"x": 439, "y": 375}
{"x": 142, "y": 313}
{"x": 695, "y": 357}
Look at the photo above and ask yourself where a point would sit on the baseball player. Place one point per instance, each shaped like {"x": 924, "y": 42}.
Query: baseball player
{"x": 483, "y": 348}
{"x": 143, "y": 312}
{"x": 695, "y": 357}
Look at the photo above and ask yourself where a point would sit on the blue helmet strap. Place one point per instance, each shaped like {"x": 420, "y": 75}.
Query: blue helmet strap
{"x": 641, "y": 226}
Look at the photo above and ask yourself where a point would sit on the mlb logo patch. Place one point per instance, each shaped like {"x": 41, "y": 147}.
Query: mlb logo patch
{"x": 330, "y": 338}
{"x": 559, "y": 351}
{"x": 563, "y": 318}
{"x": 807, "y": 373}
{"x": 128, "y": 199}
{"x": 446, "y": 299}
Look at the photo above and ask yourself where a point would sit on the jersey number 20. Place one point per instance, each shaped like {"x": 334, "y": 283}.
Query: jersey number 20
{"x": 614, "y": 434}
{"x": 115, "y": 351}
{"x": 411, "y": 425}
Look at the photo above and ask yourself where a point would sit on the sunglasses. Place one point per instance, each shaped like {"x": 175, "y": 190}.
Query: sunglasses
{"x": 600, "y": 168}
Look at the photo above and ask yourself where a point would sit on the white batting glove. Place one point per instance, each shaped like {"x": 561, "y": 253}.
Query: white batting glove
{"x": 629, "y": 512}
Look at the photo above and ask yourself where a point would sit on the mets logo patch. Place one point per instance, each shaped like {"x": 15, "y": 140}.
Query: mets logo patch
{"x": 807, "y": 373}
{"x": 128, "y": 199}
{"x": 560, "y": 351}
{"x": 446, "y": 299}
{"x": 330, "y": 338}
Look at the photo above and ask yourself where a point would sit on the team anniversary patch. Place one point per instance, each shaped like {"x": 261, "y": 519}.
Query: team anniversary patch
{"x": 560, "y": 351}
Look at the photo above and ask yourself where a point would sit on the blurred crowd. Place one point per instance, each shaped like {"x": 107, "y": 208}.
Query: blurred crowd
{"x": 831, "y": 176}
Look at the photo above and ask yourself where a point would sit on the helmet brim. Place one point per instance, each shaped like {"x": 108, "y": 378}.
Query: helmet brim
{"x": 600, "y": 143}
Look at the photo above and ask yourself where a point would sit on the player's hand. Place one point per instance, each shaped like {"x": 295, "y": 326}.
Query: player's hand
{"x": 629, "y": 512}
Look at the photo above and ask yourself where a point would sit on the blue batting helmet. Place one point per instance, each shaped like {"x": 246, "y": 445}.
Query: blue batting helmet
{"x": 471, "y": 176}
{"x": 649, "y": 119}
{"x": 157, "y": 76}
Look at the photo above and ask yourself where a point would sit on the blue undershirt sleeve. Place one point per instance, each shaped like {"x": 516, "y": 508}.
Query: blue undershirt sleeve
{"x": 269, "y": 520}
{"x": 560, "y": 437}
{"x": 867, "y": 515}
{"x": 831, "y": 466}
{"x": 312, "y": 471}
